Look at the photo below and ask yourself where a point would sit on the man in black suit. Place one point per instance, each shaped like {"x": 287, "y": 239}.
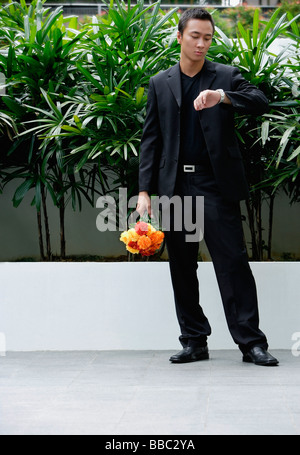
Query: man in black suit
{"x": 189, "y": 148}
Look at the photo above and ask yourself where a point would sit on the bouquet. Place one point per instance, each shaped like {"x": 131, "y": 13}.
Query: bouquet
{"x": 143, "y": 239}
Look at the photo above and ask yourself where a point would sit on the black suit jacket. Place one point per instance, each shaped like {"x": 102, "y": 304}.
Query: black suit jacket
{"x": 160, "y": 143}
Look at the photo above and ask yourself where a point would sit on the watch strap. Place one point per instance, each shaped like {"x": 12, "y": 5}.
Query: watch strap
{"x": 222, "y": 94}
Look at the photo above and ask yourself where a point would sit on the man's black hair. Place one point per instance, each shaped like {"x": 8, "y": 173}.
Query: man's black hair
{"x": 194, "y": 13}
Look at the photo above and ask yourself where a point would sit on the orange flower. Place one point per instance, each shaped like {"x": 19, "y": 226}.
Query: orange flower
{"x": 144, "y": 242}
{"x": 157, "y": 237}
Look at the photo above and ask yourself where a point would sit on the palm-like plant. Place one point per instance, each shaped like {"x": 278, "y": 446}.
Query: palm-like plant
{"x": 118, "y": 56}
{"x": 78, "y": 95}
{"x": 79, "y": 98}
{"x": 7, "y": 128}
{"x": 284, "y": 166}
{"x": 101, "y": 121}
{"x": 273, "y": 72}
{"x": 36, "y": 60}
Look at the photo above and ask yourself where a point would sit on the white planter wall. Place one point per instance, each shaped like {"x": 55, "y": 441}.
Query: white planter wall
{"x": 109, "y": 306}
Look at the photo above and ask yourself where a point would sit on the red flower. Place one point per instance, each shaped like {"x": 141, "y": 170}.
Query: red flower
{"x": 141, "y": 228}
{"x": 133, "y": 245}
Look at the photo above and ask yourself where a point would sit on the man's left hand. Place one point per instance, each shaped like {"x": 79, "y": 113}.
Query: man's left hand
{"x": 207, "y": 99}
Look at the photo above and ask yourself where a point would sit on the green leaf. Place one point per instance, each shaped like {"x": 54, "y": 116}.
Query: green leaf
{"x": 255, "y": 27}
{"x": 51, "y": 104}
{"x": 294, "y": 26}
{"x": 73, "y": 23}
{"x": 224, "y": 38}
{"x": 38, "y": 196}
{"x": 265, "y": 131}
{"x": 89, "y": 76}
{"x": 50, "y": 21}
{"x": 283, "y": 143}
{"x": 71, "y": 129}
{"x": 14, "y": 106}
{"x": 139, "y": 95}
{"x": 22, "y": 190}
{"x": 10, "y": 62}
{"x": 294, "y": 154}
{"x": 165, "y": 18}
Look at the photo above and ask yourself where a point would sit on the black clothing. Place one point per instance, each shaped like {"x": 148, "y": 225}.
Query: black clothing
{"x": 223, "y": 235}
{"x": 192, "y": 143}
{"x": 160, "y": 145}
{"x": 171, "y": 139}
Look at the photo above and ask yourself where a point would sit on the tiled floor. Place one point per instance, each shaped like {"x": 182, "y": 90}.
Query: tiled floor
{"x": 141, "y": 393}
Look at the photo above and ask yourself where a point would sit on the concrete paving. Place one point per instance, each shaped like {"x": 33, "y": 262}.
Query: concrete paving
{"x": 141, "y": 393}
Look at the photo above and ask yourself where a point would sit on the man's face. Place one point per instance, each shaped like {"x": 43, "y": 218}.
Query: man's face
{"x": 196, "y": 40}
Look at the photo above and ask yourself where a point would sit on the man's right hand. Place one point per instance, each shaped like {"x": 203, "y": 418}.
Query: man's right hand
{"x": 144, "y": 204}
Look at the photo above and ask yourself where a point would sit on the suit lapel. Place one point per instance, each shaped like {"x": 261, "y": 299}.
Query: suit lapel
{"x": 174, "y": 81}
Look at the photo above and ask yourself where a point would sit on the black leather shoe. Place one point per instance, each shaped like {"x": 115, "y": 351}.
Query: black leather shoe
{"x": 260, "y": 356}
{"x": 190, "y": 354}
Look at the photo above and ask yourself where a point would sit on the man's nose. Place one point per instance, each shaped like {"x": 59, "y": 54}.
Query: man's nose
{"x": 200, "y": 42}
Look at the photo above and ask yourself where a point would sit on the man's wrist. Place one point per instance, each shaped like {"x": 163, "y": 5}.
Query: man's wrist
{"x": 222, "y": 95}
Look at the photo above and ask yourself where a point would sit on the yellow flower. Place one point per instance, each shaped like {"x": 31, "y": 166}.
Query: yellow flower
{"x": 124, "y": 237}
{"x": 151, "y": 229}
{"x": 132, "y": 235}
{"x": 129, "y": 236}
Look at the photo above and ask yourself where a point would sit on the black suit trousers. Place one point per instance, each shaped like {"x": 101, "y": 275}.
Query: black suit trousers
{"x": 223, "y": 235}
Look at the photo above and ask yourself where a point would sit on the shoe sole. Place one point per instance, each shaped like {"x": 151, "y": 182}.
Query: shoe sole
{"x": 271, "y": 363}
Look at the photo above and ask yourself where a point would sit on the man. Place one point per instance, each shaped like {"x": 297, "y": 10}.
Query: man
{"x": 189, "y": 148}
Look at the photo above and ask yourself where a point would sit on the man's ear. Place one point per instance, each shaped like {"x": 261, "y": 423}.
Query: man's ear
{"x": 179, "y": 37}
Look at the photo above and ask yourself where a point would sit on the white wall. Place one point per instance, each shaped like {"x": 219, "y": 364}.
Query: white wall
{"x": 107, "y": 306}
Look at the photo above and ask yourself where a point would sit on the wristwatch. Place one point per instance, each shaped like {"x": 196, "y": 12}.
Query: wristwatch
{"x": 222, "y": 94}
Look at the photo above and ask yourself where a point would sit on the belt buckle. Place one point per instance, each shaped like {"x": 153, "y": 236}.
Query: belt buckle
{"x": 189, "y": 168}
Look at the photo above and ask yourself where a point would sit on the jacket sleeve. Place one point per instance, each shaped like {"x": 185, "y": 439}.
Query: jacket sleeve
{"x": 245, "y": 97}
{"x": 150, "y": 144}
